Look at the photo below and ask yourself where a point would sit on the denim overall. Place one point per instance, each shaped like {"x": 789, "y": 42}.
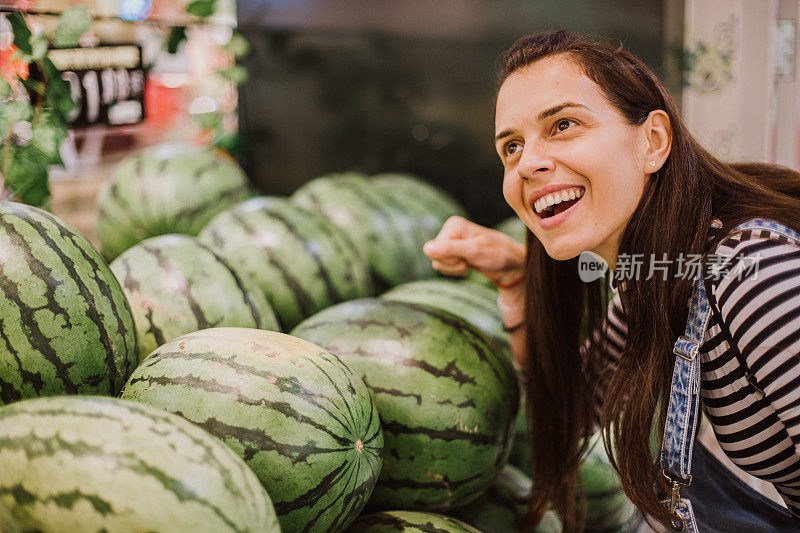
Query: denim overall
{"x": 724, "y": 502}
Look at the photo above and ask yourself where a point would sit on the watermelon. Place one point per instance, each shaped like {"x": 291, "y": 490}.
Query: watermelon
{"x": 65, "y": 324}
{"x": 607, "y": 506}
{"x": 176, "y": 284}
{"x": 88, "y": 463}
{"x": 515, "y": 228}
{"x": 380, "y": 228}
{"x": 168, "y": 188}
{"x": 506, "y": 504}
{"x": 426, "y": 206}
{"x": 301, "y": 261}
{"x": 7, "y": 522}
{"x": 476, "y": 305}
{"x": 302, "y": 420}
{"x": 409, "y": 522}
{"x": 447, "y": 397}
{"x": 436, "y": 204}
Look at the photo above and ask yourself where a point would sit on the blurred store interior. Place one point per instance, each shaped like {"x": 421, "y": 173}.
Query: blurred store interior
{"x": 377, "y": 86}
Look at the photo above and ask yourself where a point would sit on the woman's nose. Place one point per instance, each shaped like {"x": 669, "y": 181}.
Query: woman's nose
{"x": 533, "y": 164}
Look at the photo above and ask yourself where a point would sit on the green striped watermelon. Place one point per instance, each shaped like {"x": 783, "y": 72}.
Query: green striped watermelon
{"x": 302, "y": 420}
{"x": 435, "y": 205}
{"x": 607, "y": 506}
{"x": 176, "y": 284}
{"x": 7, "y": 522}
{"x": 506, "y": 504}
{"x": 476, "y": 305}
{"x": 169, "y": 188}
{"x": 65, "y": 325}
{"x": 426, "y": 207}
{"x": 409, "y": 522}
{"x": 446, "y": 396}
{"x": 379, "y": 227}
{"x": 301, "y": 261}
{"x": 83, "y": 463}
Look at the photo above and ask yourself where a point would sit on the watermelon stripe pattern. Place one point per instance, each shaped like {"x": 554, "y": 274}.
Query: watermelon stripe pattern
{"x": 378, "y": 227}
{"x": 447, "y": 398}
{"x": 301, "y": 419}
{"x": 301, "y": 262}
{"x": 476, "y": 305}
{"x": 65, "y": 324}
{"x": 91, "y": 464}
{"x": 192, "y": 185}
{"x": 409, "y": 522}
{"x": 176, "y": 284}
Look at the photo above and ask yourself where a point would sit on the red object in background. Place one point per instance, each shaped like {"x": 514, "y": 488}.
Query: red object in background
{"x": 162, "y": 103}
{"x": 10, "y": 68}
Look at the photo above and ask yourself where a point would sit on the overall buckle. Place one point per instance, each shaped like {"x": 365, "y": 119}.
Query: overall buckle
{"x": 675, "y": 497}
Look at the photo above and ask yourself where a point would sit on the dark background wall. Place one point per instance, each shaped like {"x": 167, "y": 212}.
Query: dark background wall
{"x": 378, "y": 86}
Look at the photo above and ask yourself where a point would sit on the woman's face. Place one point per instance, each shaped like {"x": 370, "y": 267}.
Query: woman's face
{"x": 555, "y": 129}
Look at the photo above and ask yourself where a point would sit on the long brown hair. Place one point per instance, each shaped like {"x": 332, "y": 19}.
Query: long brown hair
{"x": 673, "y": 217}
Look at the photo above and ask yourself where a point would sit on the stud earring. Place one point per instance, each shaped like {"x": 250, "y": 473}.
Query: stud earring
{"x": 652, "y": 163}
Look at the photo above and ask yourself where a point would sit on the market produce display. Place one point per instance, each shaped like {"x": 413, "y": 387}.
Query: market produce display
{"x": 303, "y": 421}
{"x": 407, "y": 401}
{"x": 447, "y": 397}
{"x": 168, "y": 188}
{"x": 505, "y": 504}
{"x": 82, "y": 463}
{"x": 64, "y": 320}
{"x": 383, "y": 228}
{"x": 175, "y": 284}
{"x": 409, "y": 522}
{"x": 299, "y": 259}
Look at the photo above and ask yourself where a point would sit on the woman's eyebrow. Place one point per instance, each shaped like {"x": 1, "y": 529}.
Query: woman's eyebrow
{"x": 542, "y": 116}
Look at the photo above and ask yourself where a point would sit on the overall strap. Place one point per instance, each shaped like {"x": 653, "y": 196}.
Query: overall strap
{"x": 683, "y": 409}
{"x": 771, "y": 225}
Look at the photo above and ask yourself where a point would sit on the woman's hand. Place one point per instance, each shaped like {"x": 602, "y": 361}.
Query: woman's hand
{"x": 461, "y": 245}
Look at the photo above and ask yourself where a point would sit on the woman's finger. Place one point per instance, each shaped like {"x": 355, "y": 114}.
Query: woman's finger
{"x": 458, "y": 269}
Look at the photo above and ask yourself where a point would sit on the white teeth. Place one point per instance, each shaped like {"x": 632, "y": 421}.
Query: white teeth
{"x": 556, "y": 198}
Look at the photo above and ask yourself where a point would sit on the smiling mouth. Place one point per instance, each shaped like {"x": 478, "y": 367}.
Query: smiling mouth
{"x": 558, "y": 208}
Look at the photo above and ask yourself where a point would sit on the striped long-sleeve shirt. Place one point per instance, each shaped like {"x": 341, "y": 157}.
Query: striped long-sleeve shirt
{"x": 750, "y": 364}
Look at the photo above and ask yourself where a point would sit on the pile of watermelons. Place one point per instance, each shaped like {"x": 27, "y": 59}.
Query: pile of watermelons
{"x": 258, "y": 364}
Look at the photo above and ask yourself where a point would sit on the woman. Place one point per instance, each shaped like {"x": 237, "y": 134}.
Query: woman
{"x": 593, "y": 119}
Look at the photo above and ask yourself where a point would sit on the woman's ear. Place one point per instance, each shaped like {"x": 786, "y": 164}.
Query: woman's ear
{"x": 658, "y": 132}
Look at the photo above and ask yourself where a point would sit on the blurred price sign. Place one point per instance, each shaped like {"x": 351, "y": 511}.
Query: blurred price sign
{"x": 106, "y": 82}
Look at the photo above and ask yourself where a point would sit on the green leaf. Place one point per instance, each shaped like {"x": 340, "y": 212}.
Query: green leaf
{"x": 22, "y": 34}
{"x": 27, "y": 174}
{"x": 39, "y": 46}
{"x": 74, "y": 21}
{"x": 236, "y": 73}
{"x": 5, "y": 89}
{"x": 238, "y": 45}
{"x": 201, "y": 8}
{"x": 176, "y": 36}
{"x": 233, "y": 143}
{"x": 14, "y": 111}
{"x": 49, "y": 131}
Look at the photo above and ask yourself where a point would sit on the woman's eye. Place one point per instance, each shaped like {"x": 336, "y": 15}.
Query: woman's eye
{"x": 511, "y": 147}
{"x": 564, "y": 121}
